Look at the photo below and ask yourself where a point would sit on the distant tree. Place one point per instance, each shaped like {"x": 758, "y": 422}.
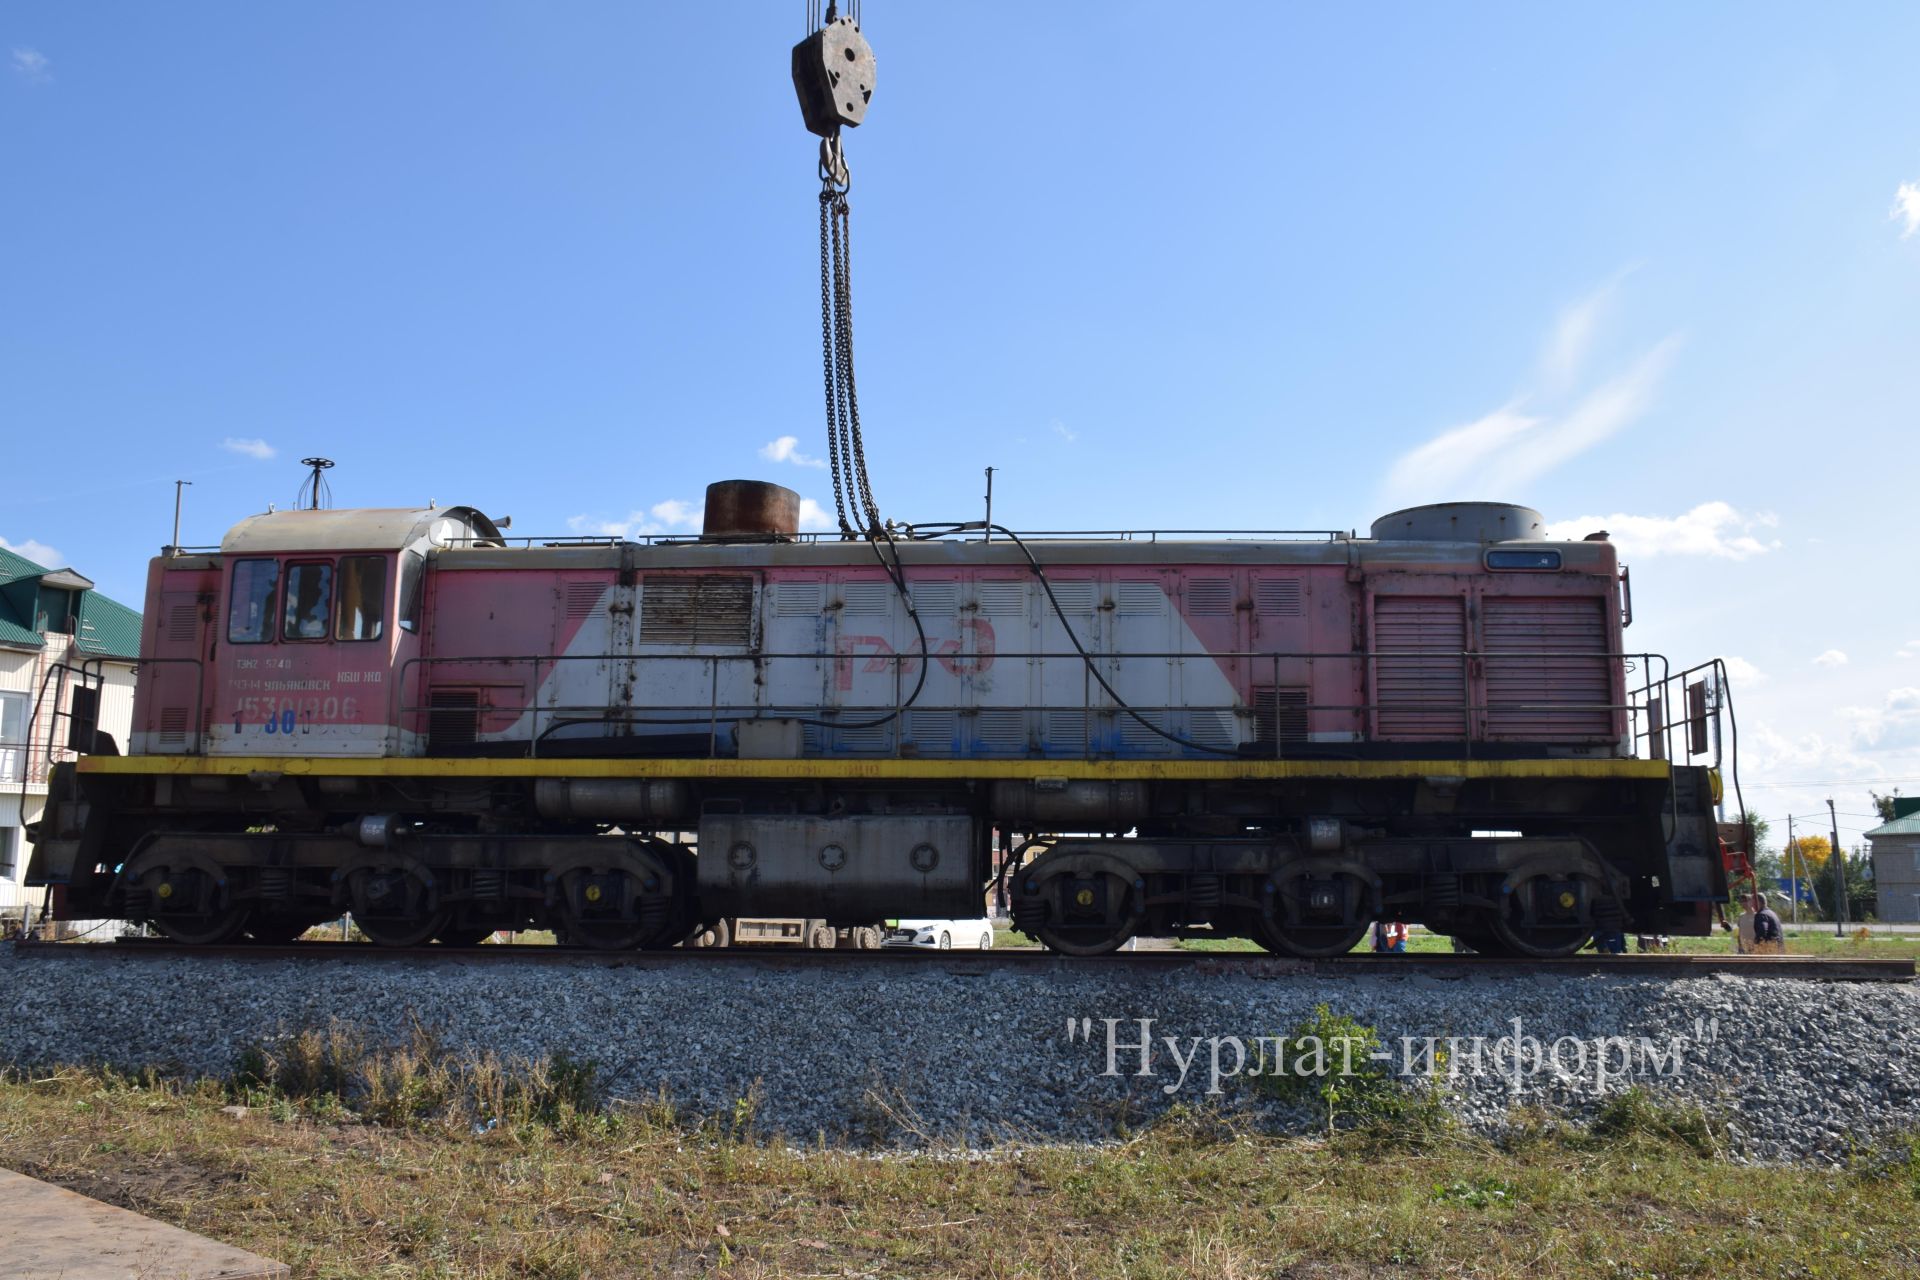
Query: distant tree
{"x": 1760, "y": 827}
{"x": 1884, "y": 804}
{"x": 1809, "y": 854}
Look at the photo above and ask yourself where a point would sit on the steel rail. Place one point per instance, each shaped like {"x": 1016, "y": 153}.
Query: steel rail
{"x": 895, "y": 959}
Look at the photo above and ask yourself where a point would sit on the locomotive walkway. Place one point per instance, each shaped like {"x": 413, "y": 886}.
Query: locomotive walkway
{"x": 1035, "y": 963}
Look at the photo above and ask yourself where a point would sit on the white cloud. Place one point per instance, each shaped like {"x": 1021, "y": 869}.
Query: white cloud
{"x": 1565, "y": 354}
{"x": 1062, "y": 430}
{"x": 32, "y": 64}
{"x": 787, "y": 449}
{"x": 1501, "y": 453}
{"x": 259, "y": 450}
{"x": 678, "y": 518}
{"x": 38, "y": 552}
{"x": 1911, "y": 649}
{"x": 669, "y": 517}
{"x": 1894, "y": 725}
{"x": 814, "y": 518}
{"x": 1711, "y": 529}
{"x": 1831, "y": 658}
{"x": 1742, "y": 672}
{"x": 1906, "y": 208}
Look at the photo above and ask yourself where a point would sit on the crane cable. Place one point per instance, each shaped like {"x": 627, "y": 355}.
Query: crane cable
{"x": 846, "y": 447}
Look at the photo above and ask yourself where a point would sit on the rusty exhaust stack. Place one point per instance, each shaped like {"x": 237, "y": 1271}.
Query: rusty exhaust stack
{"x": 750, "y": 511}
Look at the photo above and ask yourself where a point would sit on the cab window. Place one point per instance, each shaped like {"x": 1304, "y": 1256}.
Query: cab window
{"x": 309, "y": 601}
{"x": 363, "y": 598}
{"x": 250, "y": 608}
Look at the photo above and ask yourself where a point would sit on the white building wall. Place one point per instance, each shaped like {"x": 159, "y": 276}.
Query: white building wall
{"x": 26, "y": 763}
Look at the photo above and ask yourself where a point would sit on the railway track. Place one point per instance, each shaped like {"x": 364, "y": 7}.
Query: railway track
{"x": 1039, "y": 963}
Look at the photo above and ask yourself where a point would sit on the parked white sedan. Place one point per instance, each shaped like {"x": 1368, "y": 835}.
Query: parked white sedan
{"x": 942, "y": 935}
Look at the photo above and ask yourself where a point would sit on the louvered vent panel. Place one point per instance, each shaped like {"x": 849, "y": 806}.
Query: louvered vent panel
{"x": 710, "y": 609}
{"x": 183, "y": 623}
{"x": 1139, "y": 597}
{"x": 864, "y": 742}
{"x": 1420, "y": 683}
{"x": 1074, "y": 597}
{"x": 1001, "y": 729}
{"x": 933, "y": 732}
{"x": 868, "y": 599}
{"x": 580, "y": 597}
{"x": 1279, "y": 714}
{"x": 1280, "y": 597}
{"x": 453, "y": 720}
{"x": 1548, "y": 676}
{"x": 936, "y": 599}
{"x": 1138, "y": 738}
{"x": 1210, "y": 597}
{"x": 799, "y": 599}
{"x": 1066, "y": 731}
{"x": 1003, "y": 597}
{"x": 1211, "y": 728}
{"x": 173, "y": 726}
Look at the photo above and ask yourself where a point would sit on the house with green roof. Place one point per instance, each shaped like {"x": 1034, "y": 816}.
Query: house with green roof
{"x": 1896, "y": 861}
{"x": 67, "y": 657}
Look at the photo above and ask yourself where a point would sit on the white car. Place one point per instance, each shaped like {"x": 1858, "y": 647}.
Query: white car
{"x": 942, "y": 935}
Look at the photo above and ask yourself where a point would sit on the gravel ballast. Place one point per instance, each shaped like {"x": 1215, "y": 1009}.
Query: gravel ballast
{"x": 901, "y": 1055}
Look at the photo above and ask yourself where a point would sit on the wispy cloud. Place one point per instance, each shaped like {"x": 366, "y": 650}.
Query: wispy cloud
{"x": 1911, "y": 649}
{"x": 38, "y": 552}
{"x": 1906, "y": 208}
{"x": 259, "y": 450}
{"x": 1571, "y": 340}
{"x": 1744, "y": 673}
{"x": 32, "y": 64}
{"x": 1713, "y": 529}
{"x": 1894, "y": 725}
{"x": 1537, "y": 429}
{"x": 1062, "y": 430}
{"x": 787, "y": 449}
{"x": 675, "y": 516}
{"x": 1830, "y": 659}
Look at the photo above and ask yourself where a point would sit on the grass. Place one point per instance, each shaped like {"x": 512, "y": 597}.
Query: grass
{"x": 346, "y": 1161}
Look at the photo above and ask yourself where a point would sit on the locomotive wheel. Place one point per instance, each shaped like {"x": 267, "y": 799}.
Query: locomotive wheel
{"x": 821, "y": 938}
{"x": 1085, "y": 913}
{"x": 1314, "y": 918}
{"x": 1309, "y": 942}
{"x": 1539, "y": 939}
{"x": 623, "y": 903}
{"x": 188, "y": 910}
{"x": 393, "y": 907}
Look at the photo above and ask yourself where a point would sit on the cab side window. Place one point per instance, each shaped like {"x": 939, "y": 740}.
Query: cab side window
{"x": 250, "y": 605}
{"x": 309, "y": 600}
{"x": 363, "y": 598}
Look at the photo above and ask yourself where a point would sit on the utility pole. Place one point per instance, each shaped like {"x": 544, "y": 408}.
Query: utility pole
{"x": 179, "y": 487}
{"x": 990, "y": 471}
{"x": 1839, "y": 876}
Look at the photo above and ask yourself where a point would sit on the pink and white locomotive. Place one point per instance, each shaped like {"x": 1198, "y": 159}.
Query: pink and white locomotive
{"x": 401, "y": 714}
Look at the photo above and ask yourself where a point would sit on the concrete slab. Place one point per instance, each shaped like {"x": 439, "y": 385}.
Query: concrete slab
{"x": 49, "y": 1233}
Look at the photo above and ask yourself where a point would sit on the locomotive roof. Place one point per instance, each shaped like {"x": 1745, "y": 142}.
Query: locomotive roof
{"x": 357, "y": 529}
{"x": 1588, "y": 557}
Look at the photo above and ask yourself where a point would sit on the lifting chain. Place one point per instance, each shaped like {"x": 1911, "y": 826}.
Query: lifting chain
{"x": 833, "y": 75}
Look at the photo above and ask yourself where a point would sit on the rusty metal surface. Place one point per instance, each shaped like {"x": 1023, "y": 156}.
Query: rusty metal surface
{"x": 1028, "y": 961}
{"x": 833, "y": 76}
{"x": 49, "y": 1233}
{"x": 750, "y": 511}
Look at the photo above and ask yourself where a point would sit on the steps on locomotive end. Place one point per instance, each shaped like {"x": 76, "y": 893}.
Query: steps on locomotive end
{"x": 1441, "y": 965}
{"x": 50, "y": 1233}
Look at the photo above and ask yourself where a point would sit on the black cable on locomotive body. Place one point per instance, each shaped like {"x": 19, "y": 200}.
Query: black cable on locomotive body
{"x": 1060, "y": 613}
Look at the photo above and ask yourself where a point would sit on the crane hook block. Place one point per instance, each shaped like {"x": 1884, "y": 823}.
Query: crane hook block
{"x": 833, "y": 74}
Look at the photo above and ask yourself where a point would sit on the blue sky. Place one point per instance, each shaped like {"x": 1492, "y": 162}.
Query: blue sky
{"x": 1654, "y": 268}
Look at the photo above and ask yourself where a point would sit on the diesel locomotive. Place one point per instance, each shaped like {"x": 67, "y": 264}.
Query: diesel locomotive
{"x": 408, "y": 715}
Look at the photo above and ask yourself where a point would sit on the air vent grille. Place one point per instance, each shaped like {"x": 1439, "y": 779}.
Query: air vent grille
{"x": 708, "y": 609}
{"x": 579, "y": 598}
{"x": 1210, "y": 597}
{"x": 183, "y": 623}
{"x": 173, "y": 726}
{"x": 1280, "y": 597}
